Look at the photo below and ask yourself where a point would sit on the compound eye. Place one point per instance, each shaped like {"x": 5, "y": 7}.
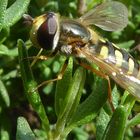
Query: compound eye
{"x": 46, "y": 32}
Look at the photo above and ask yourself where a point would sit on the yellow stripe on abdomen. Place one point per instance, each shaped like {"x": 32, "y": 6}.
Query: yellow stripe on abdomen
{"x": 104, "y": 52}
{"x": 131, "y": 65}
{"x": 119, "y": 58}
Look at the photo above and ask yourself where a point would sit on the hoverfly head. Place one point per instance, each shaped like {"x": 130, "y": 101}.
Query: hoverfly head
{"x": 45, "y": 31}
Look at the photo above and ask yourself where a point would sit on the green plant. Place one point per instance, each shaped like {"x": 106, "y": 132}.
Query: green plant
{"x": 75, "y": 107}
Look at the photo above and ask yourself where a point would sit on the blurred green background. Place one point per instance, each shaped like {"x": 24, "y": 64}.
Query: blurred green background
{"x": 13, "y": 102}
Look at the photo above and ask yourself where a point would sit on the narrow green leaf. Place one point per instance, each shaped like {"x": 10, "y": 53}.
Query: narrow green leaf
{"x": 91, "y": 106}
{"x": 4, "y": 135}
{"x": 80, "y": 133}
{"x": 56, "y": 67}
{"x": 71, "y": 101}
{"x": 15, "y": 12}
{"x": 3, "y": 50}
{"x": 24, "y": 131}
{"x": 116, "y": 127}
{"x": 11, "y": 74}
{"x": 102, "y": 122}
{"x": 4, "y": 34}
{"x": 30, "y": 85}
{"x": 79, "y": 80}
{"x": 129, "y": 103}
{"x": 3, "y": 5}
{"x": 62, "y": 88}
{"x": 5, "y": 125}
{"x": 134, "y": 121}
{"x": 115, "y": 96}
{"x": 127, "y": 44}
{"x": 9, "y": 52}
{"x": 4, "y": 94}
{"x": 0, "y": 27}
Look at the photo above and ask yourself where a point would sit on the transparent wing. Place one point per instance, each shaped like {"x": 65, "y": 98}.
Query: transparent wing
{"x": 109, "y": 16}
{"x": 128, "y": 82}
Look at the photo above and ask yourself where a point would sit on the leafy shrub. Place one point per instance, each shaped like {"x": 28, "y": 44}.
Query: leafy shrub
{"x": 76, "y": 105}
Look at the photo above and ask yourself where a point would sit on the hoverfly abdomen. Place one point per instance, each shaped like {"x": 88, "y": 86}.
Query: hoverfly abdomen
{"x": 126, "y": 62}
{"x": 119, "y": 58}
{"x": 105, "y": 50}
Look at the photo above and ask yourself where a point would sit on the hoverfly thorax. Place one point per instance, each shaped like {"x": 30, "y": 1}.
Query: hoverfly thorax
{"x": 45, "y": 31}
{"x": 72, "y": 35}
{"x": 73, "y": 31}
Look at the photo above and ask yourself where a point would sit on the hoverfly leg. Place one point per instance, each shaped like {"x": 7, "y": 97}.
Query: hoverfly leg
{"x": 109, "y": 92}
{"x": 102, "y": 75}
{"x": 59, "y": 76}
{"x": 42, "y": 57}
{"x": 39, "y": 57}
{"x": 36, "y": 58}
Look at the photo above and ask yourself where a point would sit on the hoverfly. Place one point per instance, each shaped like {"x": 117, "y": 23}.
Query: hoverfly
{"x": 75, "y": 37}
